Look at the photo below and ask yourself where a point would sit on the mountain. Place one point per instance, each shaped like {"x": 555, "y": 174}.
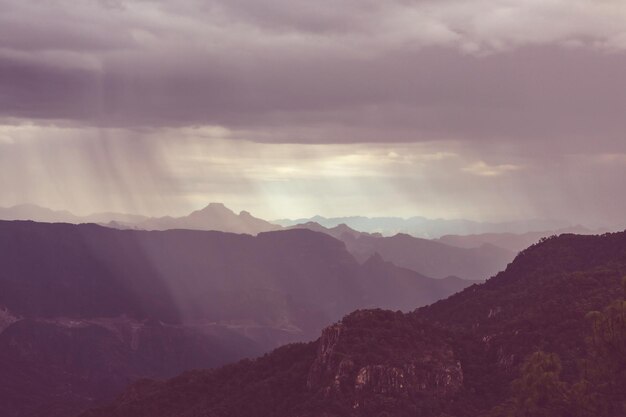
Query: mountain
{"x": 37, "y": 213}
{"x": 341, "y": 231}
{"x": 426, "y": 228}
{"x": 457, "y": 357}
{"x": 42, "y": 214}
{"x": 513, "y": 242}
{"x": 214, "y": 216}
{"x": 431, "y": 258}
{"x": 85, "y": 309}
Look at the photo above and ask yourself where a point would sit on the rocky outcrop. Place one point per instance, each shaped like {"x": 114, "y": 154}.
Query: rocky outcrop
{"x": 410, "y": 379}
{"x": 323, "y": 367}
{"x": 6, "y": 318}
{"x": 412, "y": 365}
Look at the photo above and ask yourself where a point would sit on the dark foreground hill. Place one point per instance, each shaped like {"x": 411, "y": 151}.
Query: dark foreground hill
{"x": 84, "y": 309}
{"x": 457, "y": 357}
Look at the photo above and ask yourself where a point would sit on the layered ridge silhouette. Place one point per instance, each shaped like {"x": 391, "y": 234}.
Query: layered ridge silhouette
{"x": 432, "y": 258}
{"x": 86, "y": 309}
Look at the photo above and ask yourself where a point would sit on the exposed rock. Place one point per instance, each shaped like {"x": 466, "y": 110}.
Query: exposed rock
{"x": 6, "y": 318}
{"x": 414, "y": 362}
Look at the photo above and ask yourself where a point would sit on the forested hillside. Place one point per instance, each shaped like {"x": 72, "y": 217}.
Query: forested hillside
{"x": 535, "y": 340}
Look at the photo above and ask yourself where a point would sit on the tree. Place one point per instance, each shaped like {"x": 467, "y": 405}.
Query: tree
{"x": 605, "y": 368}
{"x": 538, "y": 392}
{"x": 601, "y": 389}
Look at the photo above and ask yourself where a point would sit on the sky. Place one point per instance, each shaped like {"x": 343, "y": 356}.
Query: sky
{"x": 479, "y": 109}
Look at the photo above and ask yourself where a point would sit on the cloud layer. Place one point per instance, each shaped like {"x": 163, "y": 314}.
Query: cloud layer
{"x": 476, "y": 108}
{"x": 333, "y": 71}
{"x": 174, "y": 171}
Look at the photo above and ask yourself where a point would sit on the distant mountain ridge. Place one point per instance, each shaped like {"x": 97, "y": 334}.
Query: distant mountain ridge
{"x": 42, "y": 214}
{"x": 514, "y": 242}
{"x": 429, "y": 257}
{"x": 215, "y": 216}
{"x": 427, "y": 228}
{"x": 473, "y": 257}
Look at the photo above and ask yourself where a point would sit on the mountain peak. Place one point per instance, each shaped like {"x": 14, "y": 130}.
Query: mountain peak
{"x": 342, "y": 227}
{"x": 215, "y": 208}
{"x": 375, "y": 259}
{"x": 214, "y": 216}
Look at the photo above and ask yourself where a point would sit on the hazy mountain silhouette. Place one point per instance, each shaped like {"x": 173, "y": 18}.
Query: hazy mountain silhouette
{"x": 456, "y": 357}
{"x": 431, "y": 258}
{"x": 37, "y": 213}
{"x": 341, "y": 231}
{"x": 513, "y": 242}
{"x": 84, "y": 309}
{"x": 214, "y": 216}
{"x": 42, "y": 214}
{"x": 425, "y": 227}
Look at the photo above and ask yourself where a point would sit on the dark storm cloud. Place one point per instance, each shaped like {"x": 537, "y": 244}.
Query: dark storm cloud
{"x": 342, "y": 71}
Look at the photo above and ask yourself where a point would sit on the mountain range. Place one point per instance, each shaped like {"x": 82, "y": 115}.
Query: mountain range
{"x": 427, "y": 228}
{"x": 551, "y": 326}
{"x": 86, "y": 309}
{"x": 473, "y": 257}
{"x": 215, "y": 216}
{"x": 514, "y": 242}
{"x": 432, "y": 258}
{"x": 43, "y": 214}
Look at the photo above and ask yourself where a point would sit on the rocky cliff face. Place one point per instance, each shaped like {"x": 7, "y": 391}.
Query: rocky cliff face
{"x": 6, "y": 318}
{"x": 397, "y": 361}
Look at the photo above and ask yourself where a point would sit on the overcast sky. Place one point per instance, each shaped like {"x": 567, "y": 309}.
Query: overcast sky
{"x": 483, "y": 109}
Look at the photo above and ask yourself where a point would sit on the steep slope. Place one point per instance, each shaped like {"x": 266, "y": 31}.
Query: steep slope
{"x": 85, "y": 309}
{"x": 428, "y": 257}
{"x": 454, "y": 358}
{"x": 432, "y": 258}
{"x": 403, "y": 289}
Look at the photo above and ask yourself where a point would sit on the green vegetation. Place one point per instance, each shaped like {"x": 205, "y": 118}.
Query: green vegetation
{"x": 601, "y": 388}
